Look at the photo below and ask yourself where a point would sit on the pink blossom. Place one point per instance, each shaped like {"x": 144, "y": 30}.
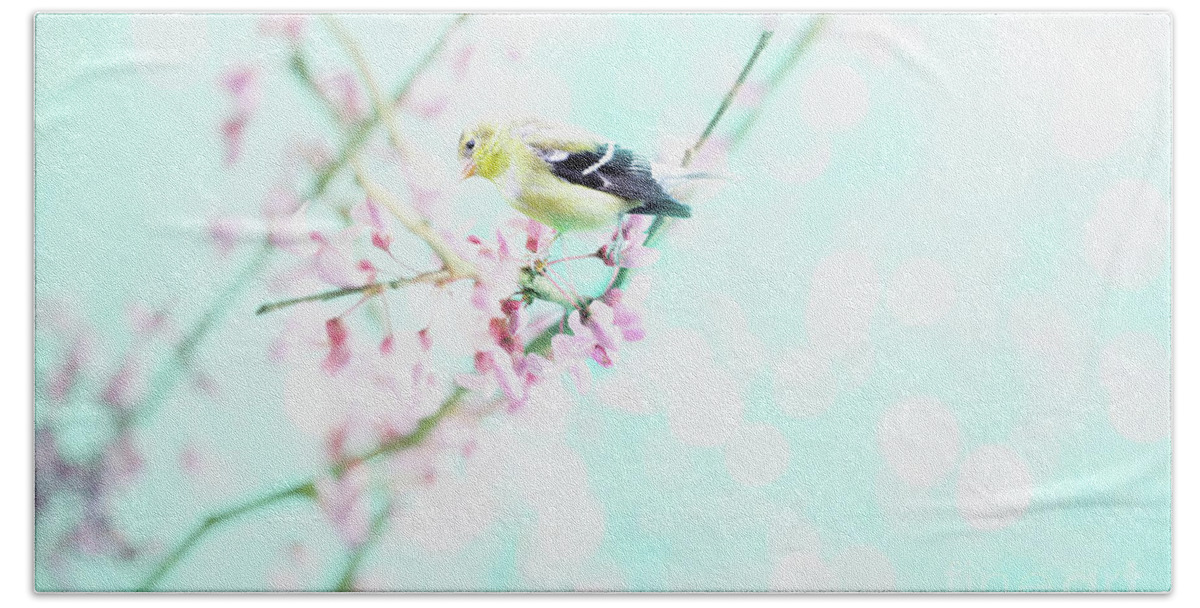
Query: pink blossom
{"x": 333, "y": 261}
{"x": 431, "y": 109}
{"x": 206, "y": 384}
{"x": 370, "y": 216}
{"x": 342, "y": 90}
{"x": 625, "y": 317}
{"x": 233, "y": 132}
{"x": 503, "y": 366}
{"x": 296, "y": 572}
{"x": 462, "y": 60}
{"x": 627, "y": 249}
{"x": 124, "y": 387}
{"x": 146, "y": 322}
{"x": 499, "y": 272}
{"x": 508, "y": 374}
{"x": 752, "y": 94}
{"x": 597, "y": 337}
{"x": 343, "y": 501}
{"x": 537, "y": 235}
{"x": 281, "y": 212}
{"x": 339, "y": 349}
{"x": 242, "y": 85}
{"x": 66, "y": 375}
{"x": 122, "y": 461}
{"x": 288, "y": 27}
{"x": 193, "y": 461}
{"x": 225, "y": 233}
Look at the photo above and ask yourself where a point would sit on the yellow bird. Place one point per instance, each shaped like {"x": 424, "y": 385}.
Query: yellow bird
{"x": 562, "y": 176}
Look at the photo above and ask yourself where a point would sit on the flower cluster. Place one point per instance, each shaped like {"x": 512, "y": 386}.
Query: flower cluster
{"x": 88, "y": 396}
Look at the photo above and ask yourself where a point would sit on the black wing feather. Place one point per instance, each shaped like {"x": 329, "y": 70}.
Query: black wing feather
{"x": 624, "y": 174}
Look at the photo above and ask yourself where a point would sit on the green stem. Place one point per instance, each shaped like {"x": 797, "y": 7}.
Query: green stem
{"x": 362, "y": 131}
{"x": 427, "y": 277}
{"x": 763, "y": 40}
{"x": 378, "y": 525}
{"x": 541, "y": 344}
{"x": 305, "y": 489}
{"x": 167, "y": 375}
{"x": 797, "y": 51}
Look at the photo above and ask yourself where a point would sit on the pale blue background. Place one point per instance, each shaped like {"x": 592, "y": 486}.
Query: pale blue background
{"x": 954, "y": 166}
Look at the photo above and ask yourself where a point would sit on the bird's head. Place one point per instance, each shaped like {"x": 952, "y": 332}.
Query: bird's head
{"x": 479, "y": 152}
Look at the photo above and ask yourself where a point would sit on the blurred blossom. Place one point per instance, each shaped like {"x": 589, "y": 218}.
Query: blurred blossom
{"x": 288, "y": 27}
{"x": 333, "y": 261}
{"x": 608, "y": 322}
{"x": 296, "y": 571}
{"x": 343, "y": 502}
{"x": 65, "y": 375}
{"x": 339, "y": 350}
{"x": 225, "y": 232}
{"x": 343, "y": 91}
{"x": 243, "y": 87}
{"x": 626, "y": 248}
{"x": 752, "y": 94}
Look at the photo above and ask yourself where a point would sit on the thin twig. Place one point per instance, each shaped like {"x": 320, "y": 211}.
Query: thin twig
{"x": 383, "y": 108}
{"x": 541, "y": 344}
{"x": 361, "y": 134}
{"x": 456, "y": 265}
{"x": 797, "y": 50}
{"x": 167, "y": 375}
{"x": 763, "y": 40}
{"x": 435, "y": 276}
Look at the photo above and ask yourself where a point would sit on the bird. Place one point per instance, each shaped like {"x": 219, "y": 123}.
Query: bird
{"x": 563, "y": 176}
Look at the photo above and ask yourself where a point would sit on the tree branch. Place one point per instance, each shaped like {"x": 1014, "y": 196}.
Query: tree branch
{"x": 378, "y": 525}
{"x": 306, "y": 488}
{"x": 434, "y": 276}
{"x": 541, "y": 344}
{"x": 456, "y": 265}
{"x": 383, "y": 108}
{"x": 358, "y": 138}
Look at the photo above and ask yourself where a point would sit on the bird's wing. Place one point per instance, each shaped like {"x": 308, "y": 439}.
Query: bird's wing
{"x": 584, "y": 159}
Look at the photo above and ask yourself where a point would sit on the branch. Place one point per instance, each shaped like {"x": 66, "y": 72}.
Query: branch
{"x": 541, "y": 344}
{"x": 458, "y": 267}
{"x": 773, "y": 81}
{"x": 434, "y": 276}
{"x": 378, "y": 525}
{"x": 166, "y": 376}
{"x": 363, "y": 130}
{"x": 763, "y": 40}
{"x": 306, "y": 488}
{"x": 383, "y": 108}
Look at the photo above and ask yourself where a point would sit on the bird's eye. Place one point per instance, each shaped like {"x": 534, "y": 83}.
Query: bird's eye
{"x": 470, "y": 145}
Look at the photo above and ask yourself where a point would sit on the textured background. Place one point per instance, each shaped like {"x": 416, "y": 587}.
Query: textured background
{"x": 922, "y": 341}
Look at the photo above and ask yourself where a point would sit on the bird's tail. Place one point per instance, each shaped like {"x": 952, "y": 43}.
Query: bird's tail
{"x": 663, "y": 206}
{"x": 673, "y": 178}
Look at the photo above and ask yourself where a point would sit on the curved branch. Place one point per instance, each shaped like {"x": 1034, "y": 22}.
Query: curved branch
{"x": 306, "y": 488}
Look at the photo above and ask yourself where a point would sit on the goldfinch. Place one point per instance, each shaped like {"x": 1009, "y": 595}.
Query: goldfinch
{"x": 562, "y": 176}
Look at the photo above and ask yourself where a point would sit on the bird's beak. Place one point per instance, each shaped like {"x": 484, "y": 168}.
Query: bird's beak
{"x": 468, "y": 169}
